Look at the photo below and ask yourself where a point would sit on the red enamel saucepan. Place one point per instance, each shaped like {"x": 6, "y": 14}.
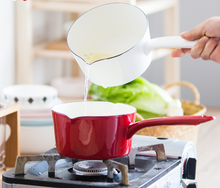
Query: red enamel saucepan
{"x": 103, "y": 130}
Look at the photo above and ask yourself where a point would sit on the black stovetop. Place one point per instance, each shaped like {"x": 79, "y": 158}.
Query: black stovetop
{"x": 148, "y": 170}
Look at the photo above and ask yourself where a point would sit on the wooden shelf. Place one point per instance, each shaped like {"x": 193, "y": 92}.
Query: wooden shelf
{"x": 59, "y": 49}
{"x": 12, "y": 147}
{"x": 149, "y": 6}
{"x": 56, "y": 49}
{"x": 153, "y": 6}
{"x": 62, "y": 6}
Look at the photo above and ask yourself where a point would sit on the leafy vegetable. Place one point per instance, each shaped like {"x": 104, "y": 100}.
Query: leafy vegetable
{"x": 149, "y": 99}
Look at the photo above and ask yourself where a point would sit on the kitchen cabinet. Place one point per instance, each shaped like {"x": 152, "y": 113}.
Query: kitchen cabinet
{"x": 12, "y": 146}
{"x": 26, "y": 52}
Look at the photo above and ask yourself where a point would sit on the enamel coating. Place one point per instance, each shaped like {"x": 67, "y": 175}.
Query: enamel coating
{"x": 104, "y": 136}
{"x": 92, "y": 137}
{"x": 122, "y": 31}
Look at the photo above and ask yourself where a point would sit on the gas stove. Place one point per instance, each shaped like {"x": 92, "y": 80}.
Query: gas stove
{"x": 152, "y": 163}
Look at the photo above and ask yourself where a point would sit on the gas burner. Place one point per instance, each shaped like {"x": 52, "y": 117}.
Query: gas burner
{"x": 141, "y": 168}
{"x": 89, "y": 168}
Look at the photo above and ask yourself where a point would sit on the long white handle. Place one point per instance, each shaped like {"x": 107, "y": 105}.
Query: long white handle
{"x": 168, "y": 42}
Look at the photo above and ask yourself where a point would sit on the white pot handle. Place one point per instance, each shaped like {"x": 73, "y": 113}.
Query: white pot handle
{"x": 168, "y": 42}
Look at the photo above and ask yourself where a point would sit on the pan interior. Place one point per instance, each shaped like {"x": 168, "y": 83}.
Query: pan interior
{"x": 93, "y": 108}
{"x": 111, "y": 28}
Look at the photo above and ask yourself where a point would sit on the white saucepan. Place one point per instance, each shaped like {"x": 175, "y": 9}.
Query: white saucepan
{"x": 121, "y": 30}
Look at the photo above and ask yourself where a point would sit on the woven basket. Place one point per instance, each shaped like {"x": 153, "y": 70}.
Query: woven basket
{"x": 188, "y": 133}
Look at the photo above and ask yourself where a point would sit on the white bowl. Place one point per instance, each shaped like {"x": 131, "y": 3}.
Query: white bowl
{"x": 36, "y": 121}
{"x": 44, "y": 114}
{"x": 38, "y": 113}
{"x": 30, "y": 96}
{"x": 36, "y": 140}
{"x": 70, "y": 86}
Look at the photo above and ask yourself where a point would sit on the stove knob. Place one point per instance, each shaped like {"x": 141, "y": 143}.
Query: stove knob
{"x": 189, "y": 169}
{"x": 192, "y": 185}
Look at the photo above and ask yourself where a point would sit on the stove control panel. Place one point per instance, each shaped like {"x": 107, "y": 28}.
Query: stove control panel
{"x": 189, "y": 185}
{"x": 189, "y": 168}
{"x": 192, "y": 185}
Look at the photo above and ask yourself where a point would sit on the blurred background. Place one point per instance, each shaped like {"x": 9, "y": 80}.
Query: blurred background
{"x": 33, "y": 50}
{"x": 30, "y": 27}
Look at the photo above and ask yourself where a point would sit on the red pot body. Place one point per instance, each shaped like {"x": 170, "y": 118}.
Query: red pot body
{"x": 106, "y": 132}
{"x": 93, "y": 137}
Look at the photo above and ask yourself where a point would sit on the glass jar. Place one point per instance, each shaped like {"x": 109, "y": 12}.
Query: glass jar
{"x": 2, "y": 138}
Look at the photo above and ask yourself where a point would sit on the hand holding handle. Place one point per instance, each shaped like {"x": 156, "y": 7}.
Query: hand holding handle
{"x": 168, "y": 42}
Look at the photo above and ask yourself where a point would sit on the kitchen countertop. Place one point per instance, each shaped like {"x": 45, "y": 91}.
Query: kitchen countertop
{"x": 208, "y": 164}
{"x": 208, "y": 150}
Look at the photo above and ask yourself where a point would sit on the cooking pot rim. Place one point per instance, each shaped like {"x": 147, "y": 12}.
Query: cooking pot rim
{"x": 59, "y": 109}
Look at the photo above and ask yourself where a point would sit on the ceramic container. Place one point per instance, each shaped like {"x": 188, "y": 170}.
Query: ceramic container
{"x": 30, "y": 96}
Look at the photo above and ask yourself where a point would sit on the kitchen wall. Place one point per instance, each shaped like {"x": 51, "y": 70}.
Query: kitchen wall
{"x": 6, "y": 43}
{"x": 204, "y": 74}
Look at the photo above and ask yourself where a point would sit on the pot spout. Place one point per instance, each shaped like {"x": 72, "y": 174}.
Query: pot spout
{"x": 175, "y": 120}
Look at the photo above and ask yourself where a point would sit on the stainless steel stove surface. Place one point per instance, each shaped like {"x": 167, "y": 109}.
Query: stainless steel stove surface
{"x": 138, "y": 169}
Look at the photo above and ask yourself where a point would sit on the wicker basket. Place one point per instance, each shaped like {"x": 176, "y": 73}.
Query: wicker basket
{"x": 188, "y": 133}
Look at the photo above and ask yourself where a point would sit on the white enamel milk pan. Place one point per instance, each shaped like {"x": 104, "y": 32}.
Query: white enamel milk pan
{"x": 122, "y": 31}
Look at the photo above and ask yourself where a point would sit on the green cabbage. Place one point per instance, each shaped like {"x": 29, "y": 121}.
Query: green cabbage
{"x": 149, "y": 99}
